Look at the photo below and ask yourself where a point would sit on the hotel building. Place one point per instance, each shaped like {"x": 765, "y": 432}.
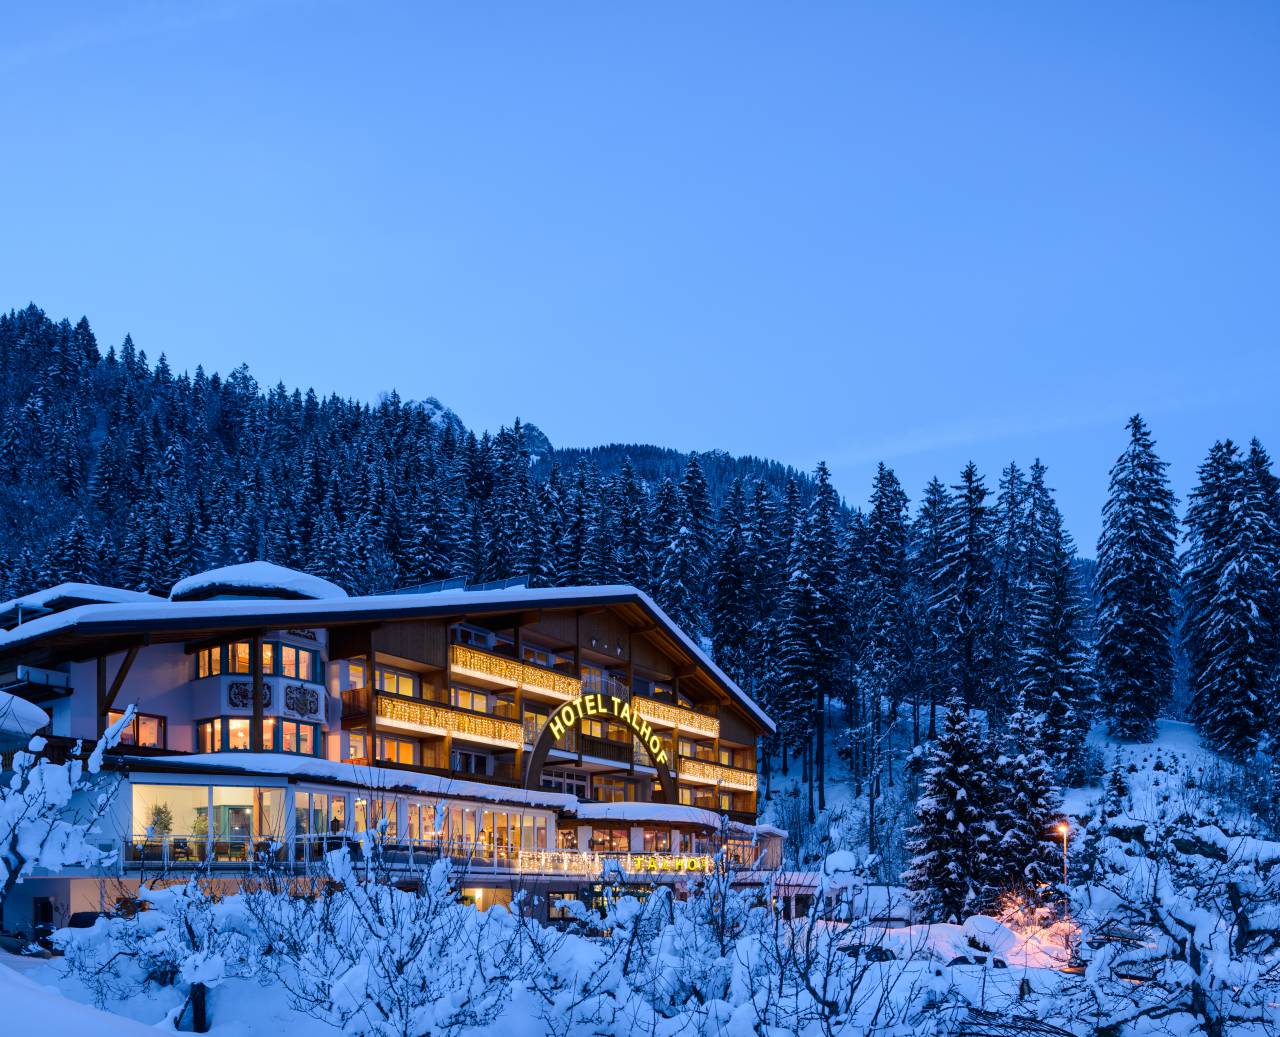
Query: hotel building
{"x": 554, "y": 740}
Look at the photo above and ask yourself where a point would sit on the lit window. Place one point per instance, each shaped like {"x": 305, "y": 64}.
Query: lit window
{"x": 237, "y": 734}
{"x": 210, "y": 736}
{"x": 238, "y": 661}
{"x": 611, "y": 840}
{"x": 268, "y": 657}
{"x": 466, "y": 698}
{"x": 145, "y": 730}
{"x": 657, "y": 840}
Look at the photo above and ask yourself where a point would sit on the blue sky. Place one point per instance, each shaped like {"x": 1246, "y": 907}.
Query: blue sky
{"x": 916, "y": 233}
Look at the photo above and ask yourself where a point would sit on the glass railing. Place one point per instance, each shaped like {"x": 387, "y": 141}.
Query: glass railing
{"x": 172, "y": 851}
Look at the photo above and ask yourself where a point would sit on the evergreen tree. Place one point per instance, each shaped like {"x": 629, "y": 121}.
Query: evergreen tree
{"x": 731, "y": 606}
{"x": 1030, "y": 810}
{"x": 954, "y": 844}
{"x": 963, "y": 602}
{"x": 1136, "y": 577}
{"x": 1055, "y": 671}
{"x": 1231, "y": 578}
{"x": 928, "y": 546}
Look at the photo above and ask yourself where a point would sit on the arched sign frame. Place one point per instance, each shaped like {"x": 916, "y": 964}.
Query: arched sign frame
{"x": 591, "y": 706}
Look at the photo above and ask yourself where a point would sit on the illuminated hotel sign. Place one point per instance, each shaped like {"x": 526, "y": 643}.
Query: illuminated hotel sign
{"x": 604, "y": 707}
{"x": 701, "y": 865}
{"x": 608, "y": 706}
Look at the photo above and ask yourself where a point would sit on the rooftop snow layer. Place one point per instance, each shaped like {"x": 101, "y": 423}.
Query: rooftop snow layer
{"x": 85, "y": 618}
{"x": 387, "y": 779}
{"x": 258, "y": 576}
{"x": 90, "y": 592}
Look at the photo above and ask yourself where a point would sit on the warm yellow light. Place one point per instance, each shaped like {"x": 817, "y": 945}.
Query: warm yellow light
{"x": 1062, "y": 829}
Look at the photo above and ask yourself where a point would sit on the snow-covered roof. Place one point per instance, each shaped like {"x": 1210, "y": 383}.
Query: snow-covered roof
{"x": 669, "y": 813}
{"x": 258, "y": 580}
{"x": 81, "y": 593}
{"x": 19, "y": 719}
{"x": 382, "y": 778}
{"x": 105, "y": 619}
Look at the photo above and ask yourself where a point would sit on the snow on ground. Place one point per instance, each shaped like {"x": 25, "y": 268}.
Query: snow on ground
{"x": 1177, "y": 746}
{"x": 32, "y": 1004}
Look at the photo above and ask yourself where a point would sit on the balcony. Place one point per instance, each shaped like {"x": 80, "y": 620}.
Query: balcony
{"x": 435, "y": 719}
{"x": 471, "y": 662}
{"x": 687, "y": 721}
{"x": 36, "y": 684}
{"x": 716, "y": 774}
{"x": 607, "y": 749}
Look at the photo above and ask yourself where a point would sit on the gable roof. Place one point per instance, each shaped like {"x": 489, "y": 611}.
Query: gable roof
{"x": 89, "y": 623}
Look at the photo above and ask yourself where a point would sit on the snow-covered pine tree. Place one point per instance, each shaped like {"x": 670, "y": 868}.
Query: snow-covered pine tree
{"x": 963, "y": 602}
{"x": 1055, "y": 670}
{"x": 1030, "y": 803}
{"x": 954, "y": 843}
{"x": 1208, "y": 523}
{"x": 731, "y": 608}
{"x": 632, "y": 535}
{"x": 1233, "y": 670}
{"x": 927, "y": 550}
{"x": 795, "y": 658}
{"x": 1136, "y": 577}
{"x": 1010, "y": 547}
{"x": 822, "y": 550}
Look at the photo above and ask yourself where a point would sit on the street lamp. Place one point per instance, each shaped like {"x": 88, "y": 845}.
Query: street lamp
{"x": 1064, "y": 830}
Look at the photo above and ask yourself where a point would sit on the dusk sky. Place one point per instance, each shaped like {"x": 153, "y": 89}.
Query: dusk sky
{"x": 911, "y": 233}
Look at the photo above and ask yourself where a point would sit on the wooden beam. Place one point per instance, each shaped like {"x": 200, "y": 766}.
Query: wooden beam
{"x": 255, "y": 663}
{"x": 109, "y": 699}
{"x": 102, "y": 693}
{"x": 371, "y": 683}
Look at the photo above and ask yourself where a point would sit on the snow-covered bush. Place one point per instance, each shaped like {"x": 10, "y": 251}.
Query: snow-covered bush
{"x": 48, "y": 810}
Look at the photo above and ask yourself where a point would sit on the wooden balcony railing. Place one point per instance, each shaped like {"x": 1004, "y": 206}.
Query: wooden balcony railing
{"x": 606, "y": 749}
{"x": 486, "y": 665}
{"x": 688, "y": 721}
{"x": 716, "y": 774}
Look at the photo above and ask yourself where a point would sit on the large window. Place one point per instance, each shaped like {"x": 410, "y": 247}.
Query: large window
{"x": 611, "y": 790}
{"x": 396, "y": 750}
{"x": 470, "y": 763}
{"x": 611, "y": 840}
{"x": 469, "y": 698}
{"x": 278, "y": 660}
{"x": 170, "y": 810}
{"x": 387, "y": 679}
{"x": 239, "y": 737}
{"x": 657, "y": 840}
{"x": 571, "y": 782}
{"x": 298, "y": 663}
{"x": 698, "y": 750}
{"x": 146, "y": 730}
{"x": 278, "y": 735}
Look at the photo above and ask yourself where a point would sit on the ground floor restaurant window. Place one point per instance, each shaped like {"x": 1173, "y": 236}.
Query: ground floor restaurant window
{"x": 657, "y": 840}
{"x": 611, "y": 840}
{"x": 206, "y": 822}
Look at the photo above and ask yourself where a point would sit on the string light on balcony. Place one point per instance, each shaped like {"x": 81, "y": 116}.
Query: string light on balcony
{"x": 687, "y": 720}
{"x": 714, "y": 774}
{"x": 422, "y": 714}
